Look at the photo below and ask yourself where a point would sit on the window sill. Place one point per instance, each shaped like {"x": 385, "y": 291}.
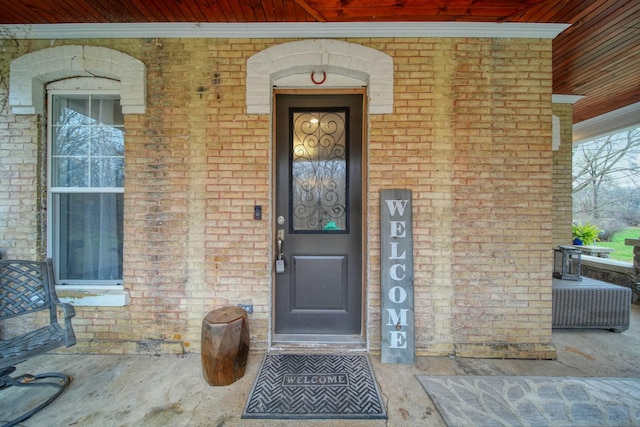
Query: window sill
{"x": 94, "y": 296}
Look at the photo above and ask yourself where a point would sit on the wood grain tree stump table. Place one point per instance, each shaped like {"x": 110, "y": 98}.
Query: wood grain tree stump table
{"x": 225, "y": 345}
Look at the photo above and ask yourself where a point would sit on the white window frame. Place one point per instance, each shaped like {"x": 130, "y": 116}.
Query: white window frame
{"x": 84, "y": 292}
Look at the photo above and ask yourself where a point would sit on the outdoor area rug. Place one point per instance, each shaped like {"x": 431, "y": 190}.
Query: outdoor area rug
{"x": 292, "y": 386}
{"x": 534, "y": 401}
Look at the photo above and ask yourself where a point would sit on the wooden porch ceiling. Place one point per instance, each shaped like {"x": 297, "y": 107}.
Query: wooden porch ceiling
{"x": 598, "y": 56}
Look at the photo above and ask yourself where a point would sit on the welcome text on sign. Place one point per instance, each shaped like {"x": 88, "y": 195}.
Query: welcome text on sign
{"x": 397, "y": 277}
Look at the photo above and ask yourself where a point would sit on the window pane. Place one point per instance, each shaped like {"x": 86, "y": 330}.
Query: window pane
{"x": 107, "y": 141}
{"x": 107, "y": 172}
{"x": 89, "y": 237}
{"x": 70, "y": 140}
{"x": 71, "y": 110}
{"x": 88, "y": 141}
{"x": 319, "y": 172}
{"x": 70, "y": 172}
{"x": 106, "y": 110}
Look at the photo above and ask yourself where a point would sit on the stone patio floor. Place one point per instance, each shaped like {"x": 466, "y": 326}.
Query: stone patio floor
{"x": 145, "y": 390}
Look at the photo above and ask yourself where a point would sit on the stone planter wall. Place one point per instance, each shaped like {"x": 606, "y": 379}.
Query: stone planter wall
{"x": 611, "y": 271}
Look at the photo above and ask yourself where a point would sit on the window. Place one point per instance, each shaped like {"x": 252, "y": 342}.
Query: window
{"x": 86, "y": 186}
{"x": 319, "y": 187}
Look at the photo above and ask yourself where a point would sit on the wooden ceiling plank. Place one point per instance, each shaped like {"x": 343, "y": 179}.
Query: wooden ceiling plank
{"x": 81, "y": 15}
{"x": 231, "y": 10}
{"x": 88, "y": 12}
{"x": 155, "y": 11}
{"x": 601, "y": 57}
{"x": 390, "y": 11}
{"x": 58, "y": 13}
{"x": 368, "y": 15}
{"x": 602, "y": 104}
{"x": 602, "y": 31}
{"x": 125, "y": 10}
{"x": 150, "y": 11}
{"x": 590, "y": 107}
{"x": 258, "y": 10}
{"x": 567, "y": 12}
{"x": 243, "y": 11}
{"x": 311, "y": 11}
{"x": 576, "y": 10}
{"x": 169, "y": 10}
{"x": 618, "y": 93}
{"x": 28, "y": 12}
{"x": 608, "y": 38}
{"x": 605, "y": 13}
{"x": 622, "y": 79}
{"x": 192, "y": 11}
{"x": 613, "y": 90}
{"x": 415, "y": 13}
{"x": 248, "y": 12}
{"x": 532, "y": 12}
{"x": 607, "y": 82}
{"x": 179, "y": 10}
{"x": 268, "y": 10}
{"x": 278, "y": 9}
{"x": 510, "y": 4}
{"x": 605, "y": 40}
{"x": 11, "y": 17}
{"x": 290, "y": 11}
{"x": 211, "y": 11}
{"x": 104, "y": 13}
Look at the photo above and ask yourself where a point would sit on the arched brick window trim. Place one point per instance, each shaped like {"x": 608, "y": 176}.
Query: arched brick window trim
{"x": 30, "y": 73}
{"x": 320, "y": 55}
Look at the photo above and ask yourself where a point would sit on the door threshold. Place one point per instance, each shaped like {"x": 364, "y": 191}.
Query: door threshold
{"x": 318, "y": 343}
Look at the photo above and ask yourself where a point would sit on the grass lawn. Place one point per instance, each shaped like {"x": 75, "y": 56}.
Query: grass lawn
{"x": 622, "y": 251}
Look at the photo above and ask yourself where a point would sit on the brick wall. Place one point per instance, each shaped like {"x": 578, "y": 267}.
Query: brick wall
{"x": 470, "y": 135}
{"x": 22, "y": 214}
{"x": 562, "y": 178}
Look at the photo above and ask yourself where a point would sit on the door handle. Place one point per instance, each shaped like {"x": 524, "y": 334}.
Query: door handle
{"x": 280, "y": 260}
{"x": 280, "y": 240}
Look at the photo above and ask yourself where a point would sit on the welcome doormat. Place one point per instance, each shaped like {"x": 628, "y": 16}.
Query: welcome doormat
{"x": 292, "y": 386}
{"x": 535, "y": 401}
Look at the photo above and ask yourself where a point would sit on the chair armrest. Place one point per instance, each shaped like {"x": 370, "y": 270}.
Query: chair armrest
{"x": 67, "y": 309}
{"x": 68, "y": 312}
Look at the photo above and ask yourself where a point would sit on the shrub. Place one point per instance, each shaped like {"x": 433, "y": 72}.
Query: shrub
{"x": 610, "y": 227}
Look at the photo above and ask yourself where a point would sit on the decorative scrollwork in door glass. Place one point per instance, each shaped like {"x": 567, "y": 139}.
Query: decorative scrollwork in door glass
{"x": 319, "y": 172}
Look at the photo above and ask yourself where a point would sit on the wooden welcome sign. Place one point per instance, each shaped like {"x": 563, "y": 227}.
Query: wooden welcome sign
{"x": 396, "y": 253}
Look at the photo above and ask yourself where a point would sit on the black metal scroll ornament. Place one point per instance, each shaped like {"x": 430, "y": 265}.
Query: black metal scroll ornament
{"x": 324, "y": 77}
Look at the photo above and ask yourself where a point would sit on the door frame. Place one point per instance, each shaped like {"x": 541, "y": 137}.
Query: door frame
{"x": 330, "y": 340}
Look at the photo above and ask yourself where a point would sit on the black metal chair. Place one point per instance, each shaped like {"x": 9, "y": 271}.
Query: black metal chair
{"x": 27, "y": 287}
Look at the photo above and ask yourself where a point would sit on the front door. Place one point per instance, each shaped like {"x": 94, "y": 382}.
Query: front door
{"x": 318, "y": 293}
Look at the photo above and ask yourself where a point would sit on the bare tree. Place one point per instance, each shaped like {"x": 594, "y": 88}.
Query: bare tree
{"x": 604, "y": 164}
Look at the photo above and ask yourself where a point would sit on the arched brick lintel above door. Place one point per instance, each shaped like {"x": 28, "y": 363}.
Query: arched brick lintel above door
{"x": 320, "y": 55}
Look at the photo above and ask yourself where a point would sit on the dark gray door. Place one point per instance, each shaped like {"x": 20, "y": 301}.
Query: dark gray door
{"x": 319, "y": 214}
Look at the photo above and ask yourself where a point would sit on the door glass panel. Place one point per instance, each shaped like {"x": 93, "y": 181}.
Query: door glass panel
{"x": 319, "y": 172}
